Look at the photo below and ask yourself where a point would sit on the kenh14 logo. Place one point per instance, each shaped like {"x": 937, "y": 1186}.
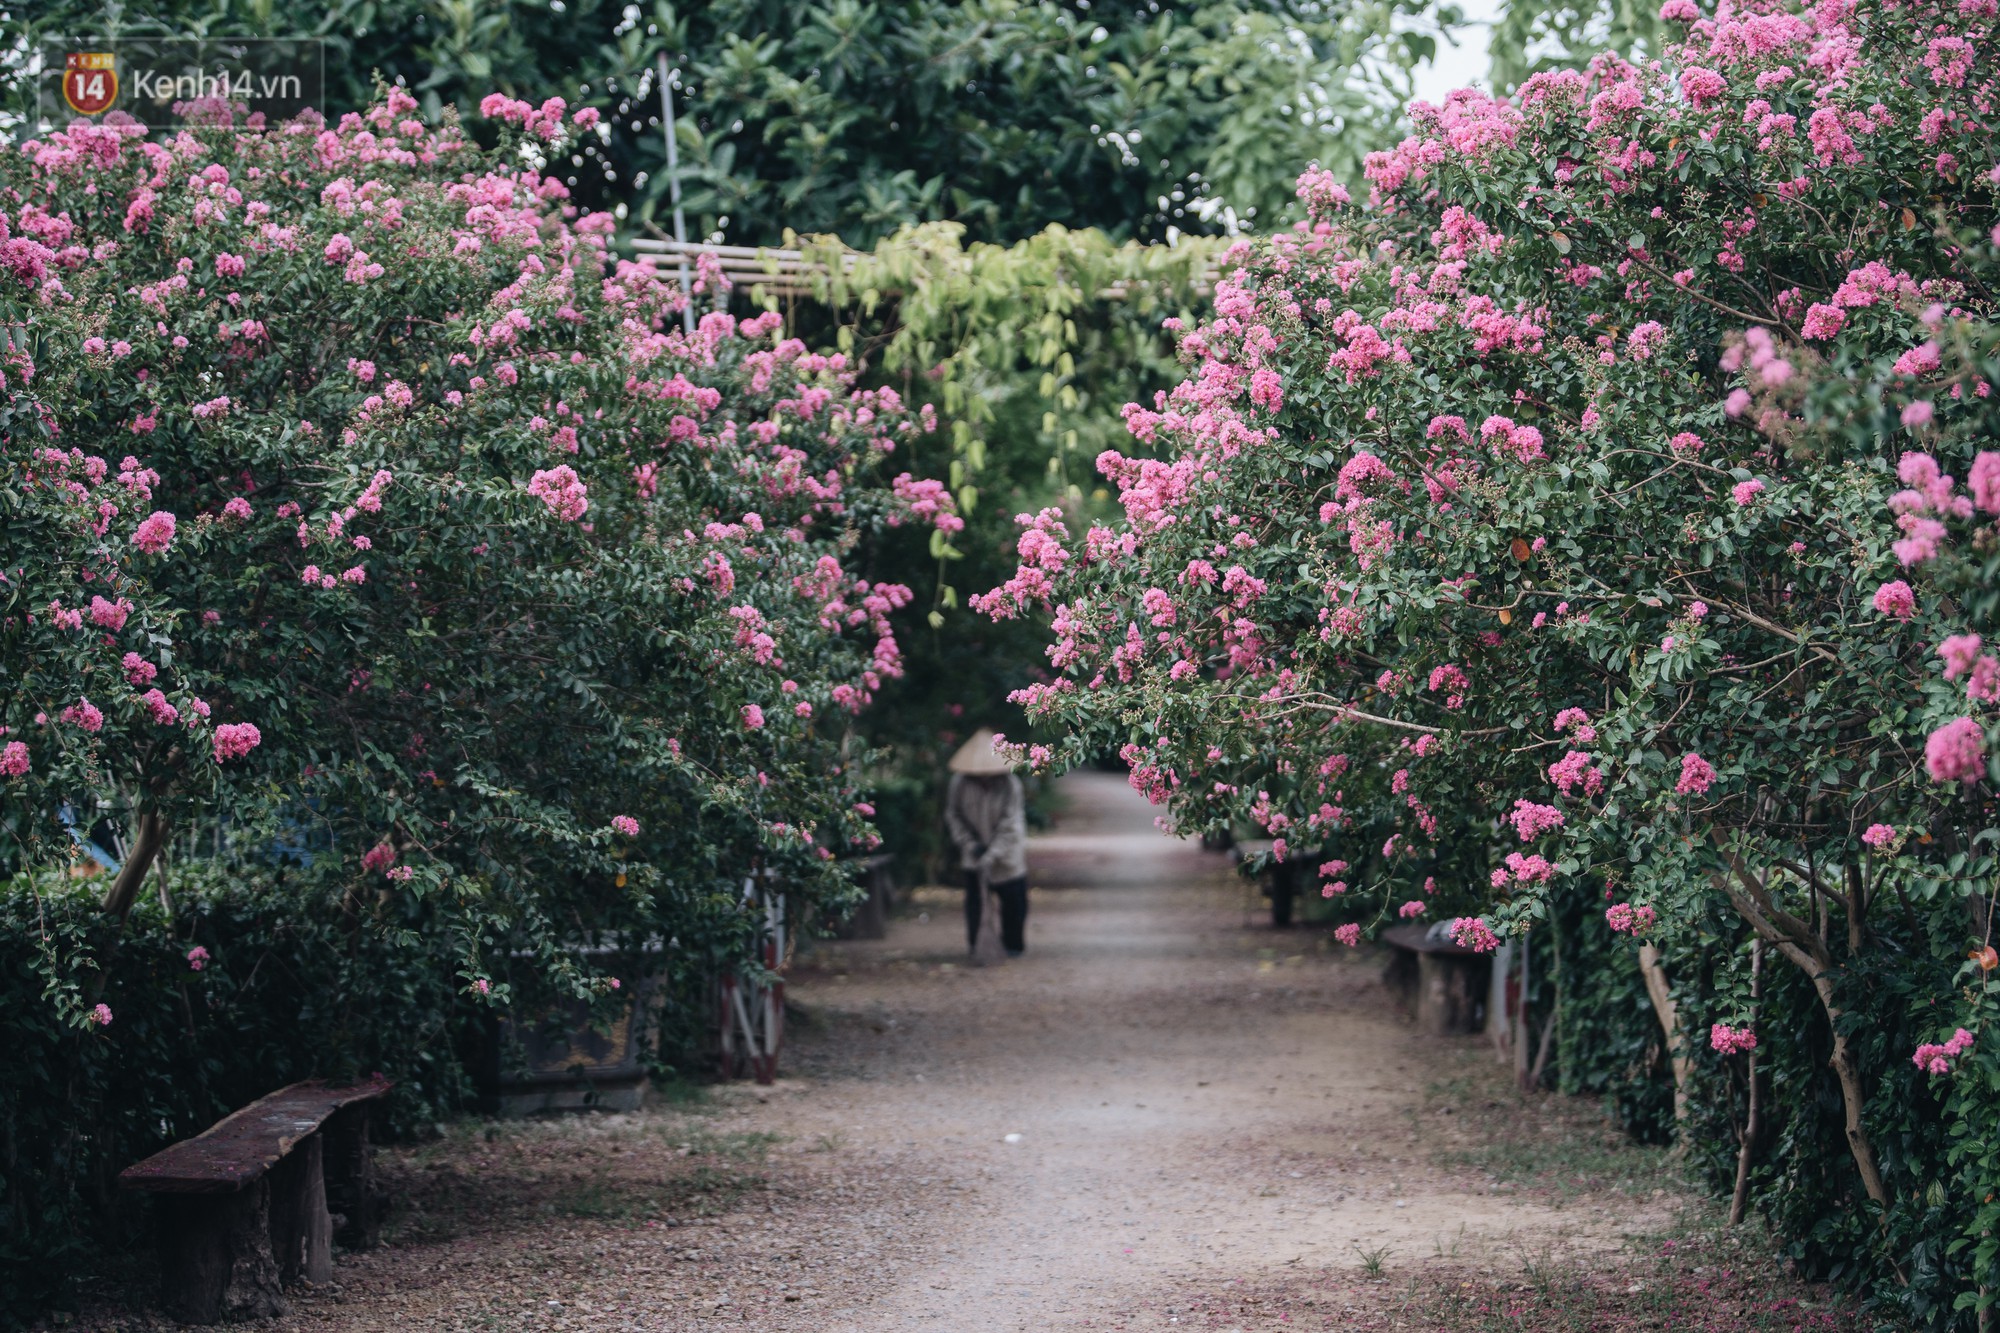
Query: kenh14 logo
{"x": 90, "y": 81}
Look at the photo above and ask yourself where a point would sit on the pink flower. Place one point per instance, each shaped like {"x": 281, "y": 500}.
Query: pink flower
{"x": 1679, "y": 11}
{"x": 354, "y": 575}
{"x": 483, "y": 986}
{"x": 138, "y": 671}
{"x": 1531, "y": 820}
{"x": 753, "y": 716}
{"x": 85, "y": 714}
{"x": 1984, "y": 481}
{"x": 625, "y": 825}
{"x": 1349, "y": 934}
{"x": 1880, "y": 836}
{"x": 238, "y": 508}
{"x": 378, "y": 858}
{"x": 1727, "y": 1040}
{"x": 1895, "y": 600}
{"x": 1823, "y": 322}
{"x": 1702, "y": 86}
{"x": 1415, "y": 907}
{"x": 1745, "y": 491}
{"x": 1472, "y": 932}
{"x": 101, "y": 1015}
{"x": 1959, "y": 652}
{"x": 14, "y": 759}
{"x": 1696, "y": 775}
{"x": 1918, "y": 361}
{"x": 1630, "y": 919}
{"x": 1574, "y": 770}
{"x": 155, "y": 533}
{"x": 1936, "y": 1058}
{"x": 164, "y": 714}
{"x": 109, "y": 615}
{"x": 561, "y": 490}
{"x": 1956, "y": 751}
{"x": 197, "y": 958}
{"x": 1917, "y": 415}
{"x": 233, "y": 740}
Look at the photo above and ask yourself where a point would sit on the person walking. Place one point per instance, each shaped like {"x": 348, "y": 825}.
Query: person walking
{"x": 983, "y": 810}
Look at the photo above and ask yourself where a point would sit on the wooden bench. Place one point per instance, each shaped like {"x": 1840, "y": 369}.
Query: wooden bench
{"x": 247, "y": 1205}
{"x": 870, "y": 919}
{"x": 1443, "y": 982}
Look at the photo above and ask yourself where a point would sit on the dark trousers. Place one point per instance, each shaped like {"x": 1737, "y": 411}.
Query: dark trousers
{"x": 1013, "y": 896}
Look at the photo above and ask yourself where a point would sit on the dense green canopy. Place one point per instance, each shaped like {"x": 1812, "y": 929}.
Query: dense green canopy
{"x": 861, "y": 118}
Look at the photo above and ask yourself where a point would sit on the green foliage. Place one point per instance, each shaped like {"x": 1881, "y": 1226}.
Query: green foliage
{"x": 1536, "y": 35}
{"x": 861, "y": 119}
{"x": 283, "y": 995}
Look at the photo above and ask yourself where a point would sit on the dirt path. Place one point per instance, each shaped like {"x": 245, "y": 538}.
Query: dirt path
{"x": 1218, "y": 1126}
{"x": 1195, "y": 1101}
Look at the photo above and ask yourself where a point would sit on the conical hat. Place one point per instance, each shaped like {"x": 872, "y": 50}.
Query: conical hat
{"x": 976, "y": 756}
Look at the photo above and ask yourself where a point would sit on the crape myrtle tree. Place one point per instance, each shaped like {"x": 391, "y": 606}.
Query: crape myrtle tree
{"x": 356, "y": 498}
{"x": 1569, "y": 514}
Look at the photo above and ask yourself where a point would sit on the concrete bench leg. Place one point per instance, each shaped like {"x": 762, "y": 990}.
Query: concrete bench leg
{"x": 1447, "y": 996}
{"x": 215, "y": 1256}
{"x": 301, "y": 1230}
{"x": 350, "y": 1178}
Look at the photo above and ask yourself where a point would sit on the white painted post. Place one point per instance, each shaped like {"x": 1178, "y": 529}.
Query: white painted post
{"x": 674, "y": 186}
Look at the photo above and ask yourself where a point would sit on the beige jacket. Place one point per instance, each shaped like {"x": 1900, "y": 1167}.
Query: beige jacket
{"x": 988, "y": 812}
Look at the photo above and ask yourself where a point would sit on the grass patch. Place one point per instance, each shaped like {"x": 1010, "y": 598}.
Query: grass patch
{"x": 1560, "y": 1147}
{"x": 705, "y": 1191}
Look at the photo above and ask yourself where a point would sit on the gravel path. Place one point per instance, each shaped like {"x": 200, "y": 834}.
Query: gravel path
{"x": 1203, "y": 1105}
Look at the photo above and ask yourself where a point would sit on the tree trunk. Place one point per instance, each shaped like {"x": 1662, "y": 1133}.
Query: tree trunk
{"x": 147, "y": 839}
{"x": 1851, "y": 1095}
{"x": 1806, "y": 951}
{"x": 1662, "y": 997}
{"x": 1739, "y": 1199}
{"x": 1521, "y": 1018}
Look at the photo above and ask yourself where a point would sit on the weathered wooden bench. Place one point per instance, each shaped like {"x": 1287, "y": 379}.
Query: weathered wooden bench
{"x": 870, "y": 919}
{"x": 1444, "y": 983}
{"x": 248, "y": 1205}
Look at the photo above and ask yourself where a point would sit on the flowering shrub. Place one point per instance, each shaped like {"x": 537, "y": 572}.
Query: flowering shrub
{"x": 1580, "y": 442}
{"x": 406, "y": 519}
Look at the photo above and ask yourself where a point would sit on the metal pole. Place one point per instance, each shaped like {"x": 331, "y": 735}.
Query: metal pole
{"x": 674, "y": 189}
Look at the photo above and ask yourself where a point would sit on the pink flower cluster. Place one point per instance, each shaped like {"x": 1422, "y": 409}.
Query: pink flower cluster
{"x": 1697, "y": 775}
{"x": 1629, "y": 918}
{"x": 1531, "y": 820}
{"x": 561, "y": 490}
{"x": 1936, "y": 1057}
{"x": 1472, "y": 932}
{"x": 233, "y": 740}
{"x": 1726, "y": 1040}
{"x": 1895, "y": 600}
{"x": 155, "y": 533}
{"x": 1956, "y": 752}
